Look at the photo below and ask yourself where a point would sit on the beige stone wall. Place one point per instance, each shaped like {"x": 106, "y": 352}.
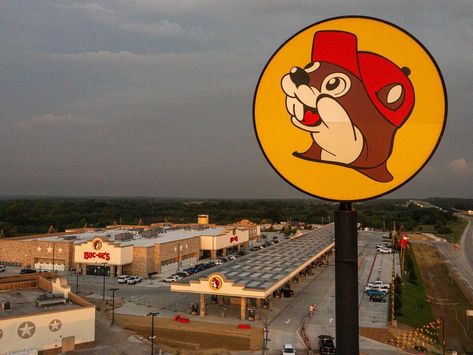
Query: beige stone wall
{"x": 46, "y": 251}
{"x": 168, "y": 251}
{"x": 186, "y": 246}
{"x": 143, "y": 262}
{"x": 15, "y": 251}
{"x": 28, "y": 252}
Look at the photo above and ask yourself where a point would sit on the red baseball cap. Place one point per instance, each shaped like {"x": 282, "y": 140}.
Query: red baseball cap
{"x": 375, "y": 71}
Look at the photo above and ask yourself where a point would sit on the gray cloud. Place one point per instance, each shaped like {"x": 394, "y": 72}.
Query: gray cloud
{"x": 155, "y": 97}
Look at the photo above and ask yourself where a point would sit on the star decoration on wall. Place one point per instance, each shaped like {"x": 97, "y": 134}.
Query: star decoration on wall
{"x": 55, "y": 325}
{"x": 50, "y": 249}
{"x": 39, "y": 249}
{"x": 60, "y": 250}
{"x": 26, "y": 330}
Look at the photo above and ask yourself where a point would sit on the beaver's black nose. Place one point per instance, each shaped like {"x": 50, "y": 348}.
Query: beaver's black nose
{"x": 299, "y": 76}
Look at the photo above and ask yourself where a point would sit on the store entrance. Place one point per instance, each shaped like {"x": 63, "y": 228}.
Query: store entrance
{"x": 97, "y": 270}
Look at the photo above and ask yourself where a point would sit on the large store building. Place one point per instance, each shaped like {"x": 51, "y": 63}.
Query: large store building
{"x": 119, "y": 249}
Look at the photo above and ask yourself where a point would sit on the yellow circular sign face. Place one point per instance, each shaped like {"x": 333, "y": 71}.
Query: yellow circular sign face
{"x": 215, "y": 282}
{"x": 350, "y": 108}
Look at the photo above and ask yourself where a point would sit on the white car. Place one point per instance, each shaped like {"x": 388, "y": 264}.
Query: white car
{"x": 381, "y": 287}
{"x": 123, "y": 279}
{"x": 232, "y": 257}
{"x": 172, "y": 278}
{"x": 384, "y": 250}
{"x": 382, "y": 246}
{"x": 218, "y": 262}
{"x": 377, "y": 283}
{"x": 133, "y": 280}
{"x": 288, "y": 349}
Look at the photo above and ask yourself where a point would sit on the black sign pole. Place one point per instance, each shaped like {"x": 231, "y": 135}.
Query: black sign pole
{"x": 346, "y": 280}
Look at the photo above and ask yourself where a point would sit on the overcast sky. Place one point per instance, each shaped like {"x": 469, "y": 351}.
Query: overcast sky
{"x": 154, "y": 98}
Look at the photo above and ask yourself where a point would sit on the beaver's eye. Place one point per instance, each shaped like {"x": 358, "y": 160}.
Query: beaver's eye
{"x": 336, "y": 84}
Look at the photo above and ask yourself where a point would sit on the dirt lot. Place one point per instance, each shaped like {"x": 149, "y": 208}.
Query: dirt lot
{"x": 447, "y": 301}
{"x": 193, "y": 336}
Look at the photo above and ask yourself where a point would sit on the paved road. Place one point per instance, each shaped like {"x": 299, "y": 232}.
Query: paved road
{"x": 466, "y": 243}
{"x": 460, "y": 260}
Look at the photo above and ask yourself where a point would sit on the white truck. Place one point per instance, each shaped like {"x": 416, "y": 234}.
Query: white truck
{"x": 377, "y": 284}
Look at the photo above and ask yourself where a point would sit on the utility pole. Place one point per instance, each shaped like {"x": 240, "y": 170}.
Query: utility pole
{"x": 113, "y": 304}
{"x": 265, "y": 337}
{"x": 103, "y": 288}
{"x": 77, "y": 282}
{"x": 346, "y": 280}
{"x": 444, "y": 343}
{"x": 152, "y": 314}
{"x": 54, "y": 247}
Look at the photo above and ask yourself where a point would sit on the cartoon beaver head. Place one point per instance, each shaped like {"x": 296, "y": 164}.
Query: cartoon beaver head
{"x": 351, "y": 102}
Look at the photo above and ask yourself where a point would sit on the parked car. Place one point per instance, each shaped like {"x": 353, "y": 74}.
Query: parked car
{"x": 326, "y": 345}
{"x": 218, "y": 262}
{"x": 133, "y": 280}
{"x": 377, "y": 283}
{"x": 288, "y": 349}
{"x": 2, "y": 268}
{"x": 201, "y": 267}
{"x": 382, "y": 246}
{"x": 27, "y": 271}
{"x": 371, "y": 292}
{"x": 242, "y": 252}
{"x": 287, "y": 291}
{"x": 275, "y": 241}
{"x": 377, "y": 298}
{"x": 384, "y": 289}
{"x": 189, "y": 270}
{"x": 225, "y": 259}
{"x": 172, "y": 278}
{"x": 123, "y": 279}
{"x": 209, "y": 264}
{"x": 182, "y": 273}
{"x": 384, "y": 250}
{"x": 255, "y": 248}
{"x": 232, "y": 257}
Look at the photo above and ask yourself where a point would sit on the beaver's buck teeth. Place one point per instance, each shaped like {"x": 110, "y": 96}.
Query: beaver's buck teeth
{"x": 299, "y": 110}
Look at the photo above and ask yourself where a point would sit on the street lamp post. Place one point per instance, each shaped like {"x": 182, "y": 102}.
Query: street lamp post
{"x": 103, "y": 288}
{"x": 77, "y": 281}
{"x": 113, "y": 304}
{"x": 152, "y": 314}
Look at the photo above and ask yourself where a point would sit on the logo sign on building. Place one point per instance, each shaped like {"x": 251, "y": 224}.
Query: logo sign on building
{"x": 350, "y": 108}
{"x": 97, "y": 243}
{"x": 215, "y": 282}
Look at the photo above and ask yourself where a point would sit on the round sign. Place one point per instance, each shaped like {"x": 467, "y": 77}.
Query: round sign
{"x": 350, "y": 108}
{"x": 215, "y": 282}
{"x": 97, "y": 243}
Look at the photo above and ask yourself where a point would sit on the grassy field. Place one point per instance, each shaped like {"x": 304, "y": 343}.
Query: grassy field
{"x": 416, "y": 311}
{"x": 454, "y": 237}
{"x": 457, "y": 231}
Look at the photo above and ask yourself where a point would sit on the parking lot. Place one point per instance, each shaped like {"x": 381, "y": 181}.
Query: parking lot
{"x": 284, "y": 316}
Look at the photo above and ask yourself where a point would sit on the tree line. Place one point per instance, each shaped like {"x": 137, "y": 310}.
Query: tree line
{"x": 30, "y": 216}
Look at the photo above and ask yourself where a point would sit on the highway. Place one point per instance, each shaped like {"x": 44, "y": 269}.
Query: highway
{"x": 461, "y": 260}
{"x": 466, "y": 244}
